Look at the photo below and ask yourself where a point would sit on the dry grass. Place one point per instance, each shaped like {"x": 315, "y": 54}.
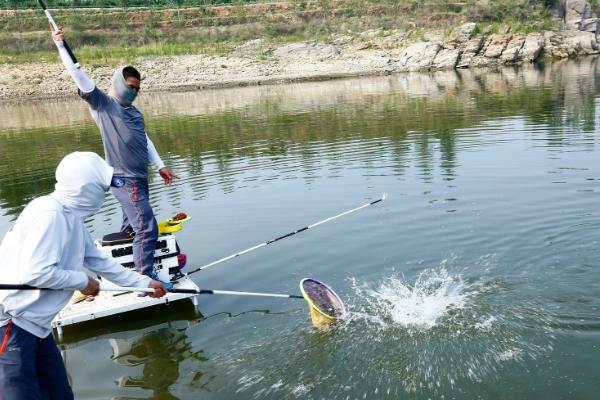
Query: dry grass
{"x": 105, "y": 35}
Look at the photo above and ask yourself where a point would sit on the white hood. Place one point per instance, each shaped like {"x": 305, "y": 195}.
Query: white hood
{"x": 120, "y": 90}
{"x": 49, "y": 245}
{"x": 82, "y": 179}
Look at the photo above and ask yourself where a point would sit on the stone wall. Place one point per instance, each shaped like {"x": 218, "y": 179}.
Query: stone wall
{"x": 466, "y": 50}
{"x": 578, "y": 36}
{"x": 372, "y": 52}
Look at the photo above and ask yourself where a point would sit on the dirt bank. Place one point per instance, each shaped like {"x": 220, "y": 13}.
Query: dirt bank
{"x": 372, "y": 52}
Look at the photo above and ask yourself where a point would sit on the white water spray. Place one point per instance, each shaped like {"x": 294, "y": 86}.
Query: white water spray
{"x": 420, "y": 305}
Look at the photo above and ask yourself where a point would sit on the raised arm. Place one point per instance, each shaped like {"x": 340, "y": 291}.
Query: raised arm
{"x": 84, "y": 83}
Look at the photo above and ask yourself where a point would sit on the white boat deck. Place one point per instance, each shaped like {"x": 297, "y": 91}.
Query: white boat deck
{"x": 112, "y": 303}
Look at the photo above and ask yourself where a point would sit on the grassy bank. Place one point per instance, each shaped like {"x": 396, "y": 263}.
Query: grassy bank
{"x": 110, "y": 35}
{"x": 25, "y": 4}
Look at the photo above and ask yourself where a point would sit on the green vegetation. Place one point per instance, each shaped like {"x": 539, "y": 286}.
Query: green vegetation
{"x": 25, "y": 4}
{"x": 109, "y": 35}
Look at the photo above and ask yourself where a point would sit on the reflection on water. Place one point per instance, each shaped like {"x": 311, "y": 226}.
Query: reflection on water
{"x": 240, "y": 137}
{"x": 149, "y": 350}
{"x": 151, "y": 357}
{"x": 477, "y": 278}
{"x": 159, "y": 352}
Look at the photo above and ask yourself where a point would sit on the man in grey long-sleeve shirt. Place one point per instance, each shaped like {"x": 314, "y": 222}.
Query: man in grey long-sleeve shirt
{"x": 127, "y": 149}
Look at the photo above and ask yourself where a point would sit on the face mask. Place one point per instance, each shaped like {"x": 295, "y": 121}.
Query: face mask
{"x": 120, "y": 90}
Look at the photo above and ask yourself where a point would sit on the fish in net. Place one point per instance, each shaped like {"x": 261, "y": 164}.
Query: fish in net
{"x": 326, "y": 307}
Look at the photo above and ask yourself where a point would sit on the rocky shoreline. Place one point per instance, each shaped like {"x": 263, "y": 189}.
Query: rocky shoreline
{"x": 372, "y": 52}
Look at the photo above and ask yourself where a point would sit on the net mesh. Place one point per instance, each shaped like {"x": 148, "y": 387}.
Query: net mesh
{"x": 323, "y": 298}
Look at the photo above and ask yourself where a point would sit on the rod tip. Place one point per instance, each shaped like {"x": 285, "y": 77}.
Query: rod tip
{"x": 384, "y": 196}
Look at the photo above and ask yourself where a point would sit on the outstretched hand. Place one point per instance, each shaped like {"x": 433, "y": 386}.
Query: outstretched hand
{"x": 167, "y": 175}
{"x": 159, "y": 289}
{"x": 58, "y": 34}
{"x": 92, "y": 288}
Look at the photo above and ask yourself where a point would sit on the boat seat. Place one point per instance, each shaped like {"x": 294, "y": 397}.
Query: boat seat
{"x": 116, "y": 238}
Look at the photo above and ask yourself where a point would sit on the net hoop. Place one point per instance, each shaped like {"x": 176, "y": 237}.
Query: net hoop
{"x": 338, "y": 302}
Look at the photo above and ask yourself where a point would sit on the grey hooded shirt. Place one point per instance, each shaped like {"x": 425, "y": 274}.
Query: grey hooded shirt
{"x": 123, "y": 133}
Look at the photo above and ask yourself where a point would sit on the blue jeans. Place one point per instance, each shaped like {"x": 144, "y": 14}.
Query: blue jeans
{"x": 138, "y": 216}
{"x": 31, "y": 368}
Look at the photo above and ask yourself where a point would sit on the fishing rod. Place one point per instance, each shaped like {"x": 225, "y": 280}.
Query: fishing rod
{"x": 55, "y": 27}
{"x": 150, "y": 290}
{"x": 258, "y": 246}
{"x": 223, "y": 292}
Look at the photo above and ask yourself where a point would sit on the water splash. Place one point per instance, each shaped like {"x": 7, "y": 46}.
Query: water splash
{"x": 447, "y": 328}
{"x": 420, "y": 305}
{"x": 426, "y": 336}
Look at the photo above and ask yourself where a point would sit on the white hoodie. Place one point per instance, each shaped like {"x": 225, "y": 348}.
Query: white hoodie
{"x": 49, "y": 245}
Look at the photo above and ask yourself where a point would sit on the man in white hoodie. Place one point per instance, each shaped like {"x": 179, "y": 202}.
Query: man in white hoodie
{"x": 47, "y": 247}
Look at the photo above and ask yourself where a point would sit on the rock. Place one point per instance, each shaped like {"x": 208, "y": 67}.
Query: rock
{"x": 495, "y": 46}
{"x": 474, "y": 45}
{"x": 584, "y": 43}
{"x": 307, "y": 50}
{"x": 551, "y": 39}
{"x": 511, "y": 53}
{"x": 590, "y": 25}
{"x": 464, "y": 60}
{"x": 482, "y": 61}
{"x": 418, "y": 56}
{"x": 532, "y": 47}
{"x": 460, "y": 35}
{"x": 570, "y": 44}
{"x": 554, "y": 46}
{"x": 342, "y": 40}
{"x": 463, "y": 32}
{"x": 371, "y": 33}
{"x": 383, "y": 39}
{"x": 446, "y": 58}
{"x": 575, "y": 12}
{"x": 378, "y": 60}
{"x": 578, "y": 9}
{"x": 469, "y": 50}
{"x": 449, "y": 45}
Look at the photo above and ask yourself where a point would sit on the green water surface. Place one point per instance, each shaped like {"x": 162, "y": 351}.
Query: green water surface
{"x": 479, "y": 277}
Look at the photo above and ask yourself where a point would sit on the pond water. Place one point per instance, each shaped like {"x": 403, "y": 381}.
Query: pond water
{"x": 477, "y": 278}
